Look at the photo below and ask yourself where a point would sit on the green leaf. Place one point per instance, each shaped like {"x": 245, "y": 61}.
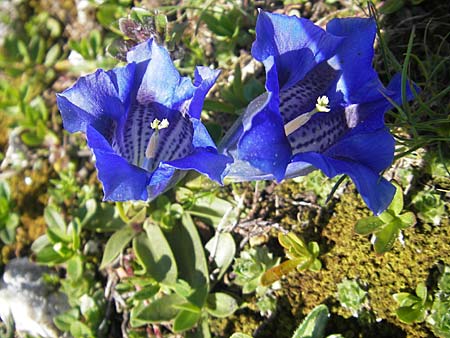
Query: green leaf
{"x": 313, "y": 326}
{"x": 65, "y": 320}
{"x": 190, "y": 257}
{"x": 368, "y": 225}
{"x": 188, "y": 307}
{"x": 212, "y": 209}
{"x": 161, "y": 310}
{"x": 49, "y": 256}
{"x": 75, "y": 268}
{"x": 185, "y": 320}
{"x": 421, "y": 291}
{"x": 31, "y": 138}
{"x": 316, "y": 265}
{"x": 222, "y": 249}
{"x": 52, "y": 55}
{"x": 409, "y": 315}
{"x": 385, "y": 238}
{"x": 405, "y": 299}
{"x": 386, "y": 216}
{"x": 155, "y": 254}
{"x": 147, "y": 292}
{"x": 8, "y": 233}
{"x": 202, "y": 329}
{"x": 116, "y": 243}
{"x": 221, "y": 305}
{"x": 80, "y": 330}
{"x": 55, "y": 221}
{"x": 396, "y": 205}
{"x": 407, "y": 220}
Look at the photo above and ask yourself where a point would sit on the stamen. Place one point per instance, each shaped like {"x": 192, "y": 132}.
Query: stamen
{"x": 301, "y": 120}
{"x": 322, "y": 104}
{"x": 157, "y": 125}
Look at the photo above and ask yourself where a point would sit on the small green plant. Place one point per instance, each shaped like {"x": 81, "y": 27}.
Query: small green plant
{"x": 351, "y": 296}
{"x": 430, "y": 207}
{"x": 421, "y": 307}
{"x": 439, "y": 318}
{"x": 301, "y": 256}
{"x": 249, "y": 269}
{"x": 413, "y": 308}
{"x": 9, "y": 220}
{"x": 386, "y": 227}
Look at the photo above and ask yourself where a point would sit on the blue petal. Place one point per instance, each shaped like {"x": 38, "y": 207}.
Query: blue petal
{"x": 362, "y": 157}
{"x": 203, "y": 81}
{"x": 201, "y": 138}
{"x": 205, "y": 161}
{"x": 376, "y": 192}
{"x": 296, "y": 43}
{"x": 374, "y": 150}
{"x": 121, "y": 180}
{"x": 263, "y": 143}
{"x": 359, "y": 81}
{"x": 369, "y": 116}
{"x": 97, "y": 99}
{"x": 162, "y": 179}
{"x": 161, "y": 81}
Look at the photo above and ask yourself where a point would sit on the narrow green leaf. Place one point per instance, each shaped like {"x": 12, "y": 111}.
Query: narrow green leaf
{"x": 116, "y": 243}
{"x": 313, "y": 326}
{"x": 54, "y": 219}
{"x": 155, "y": 254}
{"x": 75, "y": 268}
{"x": 161, "y": 310}
{"x": 222, "y": 249}
{"x": 368, "y": 225}
{"x": 396, "y": 205}
{"x": 385, "y": 238}
{"x": 190, "y": 257}
{"x": 52, "y": 55}
{"x": 421, "y": 291}
{"x": 185, "y": 320}
{"x": 147, "y": 292}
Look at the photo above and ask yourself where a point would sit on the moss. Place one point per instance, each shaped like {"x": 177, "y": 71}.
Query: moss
{"x": 351, "y": 256}
{"x": 345, "y": 254}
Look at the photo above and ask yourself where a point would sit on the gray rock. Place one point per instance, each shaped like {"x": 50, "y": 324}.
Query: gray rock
{"x": 29, "y": 300}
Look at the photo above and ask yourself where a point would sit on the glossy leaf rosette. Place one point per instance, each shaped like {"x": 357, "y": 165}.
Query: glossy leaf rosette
{"x": 323, "y": 107}
{"x": 142, "y": 122}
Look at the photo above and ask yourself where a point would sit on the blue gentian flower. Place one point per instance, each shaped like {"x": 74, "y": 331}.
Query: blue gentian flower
{"x": 142, "y": 121}
{"x": 323, "y": 107}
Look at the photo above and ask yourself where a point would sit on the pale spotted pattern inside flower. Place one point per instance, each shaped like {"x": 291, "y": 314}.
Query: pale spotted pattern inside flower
{"x": 173, "y": 142}
{"x": 322, "y": 131}
{"x": 324, "y": 128}
{"x": 302, "y": 97}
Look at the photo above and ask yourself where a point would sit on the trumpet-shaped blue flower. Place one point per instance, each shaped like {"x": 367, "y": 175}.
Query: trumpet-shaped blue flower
{"x": 323, "y": 107}
{"x": 142, "y": 121}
